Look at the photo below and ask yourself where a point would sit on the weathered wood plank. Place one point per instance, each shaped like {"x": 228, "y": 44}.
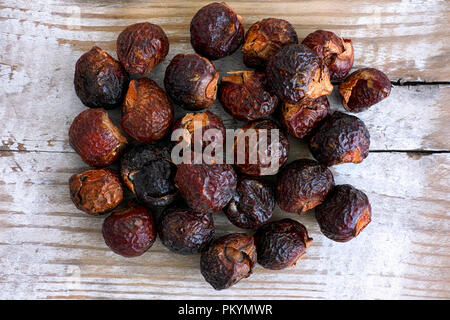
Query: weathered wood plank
{"x": 48, "y": 249}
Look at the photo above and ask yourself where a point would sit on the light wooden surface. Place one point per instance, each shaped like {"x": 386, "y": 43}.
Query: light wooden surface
{"x": 48, "y": 249}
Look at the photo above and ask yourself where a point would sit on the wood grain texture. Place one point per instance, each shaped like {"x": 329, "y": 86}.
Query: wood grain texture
{"x": 48, "y": 249}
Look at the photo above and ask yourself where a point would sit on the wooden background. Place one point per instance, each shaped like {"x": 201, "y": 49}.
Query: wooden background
{"x": 49, "y": 250}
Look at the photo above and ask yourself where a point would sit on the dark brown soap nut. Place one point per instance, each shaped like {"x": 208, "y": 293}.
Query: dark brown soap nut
{"x": 341, "y": 138}
{"x": 141, "y": 46}
{"x": 280, "y": 244}
{"x": 301, "y": 118}
{"x": 364, "y": 88}
{"x": 244, "y": 96}
{"x": 191, "y": 81}
{"x": 100, "y": 81}
{"x": 147, "y": 112}
{"x": 336, "y": 52}
{"x": 296, "y": 72}
{"x": 206, "y": 187}
{"x": 216, "y": 31}
{"x": 264, "y": 39}
{"x": 302, "y": 185}
{"x": 185, "y": 231}
{"x": 252, "y": 205}
{"x": 228, "y": 260}
{"x": 96, "y": 191}
{"x": 149, "y": 173}
{"x": 254, "y": 147}
{"x": 129, "y": 231}
{"x": 95, "y": 138}
{"x": 344, "y": 214}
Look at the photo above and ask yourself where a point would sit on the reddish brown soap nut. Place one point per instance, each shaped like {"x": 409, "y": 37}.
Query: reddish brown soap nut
{"x": 185, "y": 231}
{"x": 252, "y": 205}
{"x": 296, "y": 72}
{"x": 280, "y": 244}
{"x": 244, "y": 96}
{"x": 302, "y": 185}
{"x": 216, "y": 31}
{"x": 96, "y": 191}
{"x": 100, "y": 81}
{"x": 344, "y": 214}
{"x": 95, "y": 138}
{"x": 336, "y": 52}
{"x": 341, "y": 138}
{"x": 301, "y": 118}
{"x": 228, "y": 260}
{"x": 147, "y": 112}
{"x": 264, "y": 39}
{"x": 149, "y": 173}
{"x": 206, "y": 188}
{"x": 191, "y": 81}
{"x": 253, "y": 141}
{"x": 364, "y": 88}
{"x": 141, "y": 46}
{"x": 129, "y": 231}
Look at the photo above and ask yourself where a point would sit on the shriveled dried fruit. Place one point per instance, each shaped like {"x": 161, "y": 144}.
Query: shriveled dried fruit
{"x": 280, "y": 244}
{"x": 191, "y": 81}
{"x": 206, "y": 187}
{"x": 130, "y": 231}
{"x": 185, "y": 231}
{"x": 100, "y": 80}
{"x": 257, "y": 143}
{"x": 148, "y": 172}
{"x": 141, "y": 46}
{"x": 301, "y": 118}
{"x": 228, "y": 260}
{"x": 340, "y": 138}
{"x": 364, "y": 88}
{"x": 96, "y": 191}
{"x": 336, "y": 52}
{"x": 252, "y": 205}
{"x": 244, "y": 96}
{"x": 302, "y": 185}
{"x": 147, "y": 112}
{"x": 296, "y": 72}
{"x": 264, "y": 39}
{"x": 95, "y": 138}
{"x": 344, "y": 214}
{"x": 216, "y": 31}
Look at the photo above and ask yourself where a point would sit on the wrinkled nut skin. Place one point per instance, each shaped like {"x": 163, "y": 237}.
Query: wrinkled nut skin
{"x": 191, "y": 81}
{"x": 149, "y": 173}
{"x": 296, "y": 72}
{"x": 100, "y": 81}
{"x": 96, "y": 191}
{"x": 252, "y": 147}
{"x": 302, "y": 185}
{"x": 206, "y": 188}
{"x": 147, "y": 112}
{"x": 341, "y": 138}
{"x": 252, "y": 205}
{"x": 141, "y": 46}
{"x": 95, "y": 138}
{"x": 244, "y": 96}
{"x": 216, "y": 31}
{"x": 264, "y": 39}
{"x": 344, "y": 214}
{"x": 280, "y": 244}
{"x": 185, "y": 231}
{"x": 364, "y": 88}
{"x": 129, "y": 232}
{"x": 228, "y": 260}
{"x": 300, "y": 119}
{"x": 336, "y": 52}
